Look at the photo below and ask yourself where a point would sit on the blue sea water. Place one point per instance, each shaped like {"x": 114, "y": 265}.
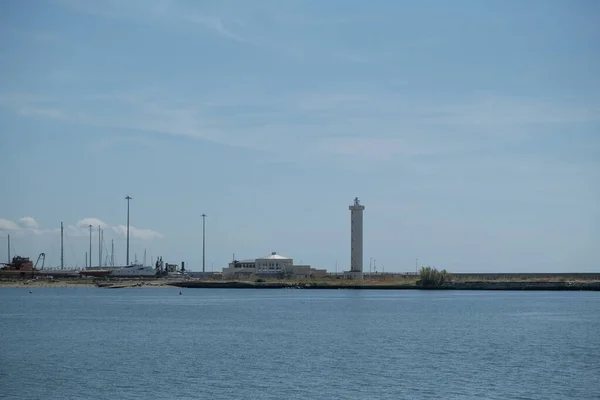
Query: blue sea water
{"x": 298, "y": 344}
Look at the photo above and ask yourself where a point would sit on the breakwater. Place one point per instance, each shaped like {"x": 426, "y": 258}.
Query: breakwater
{"x": 495, "y": 285}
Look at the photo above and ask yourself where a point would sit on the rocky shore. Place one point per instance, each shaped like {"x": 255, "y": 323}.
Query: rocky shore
{"x": 44, "y": 283}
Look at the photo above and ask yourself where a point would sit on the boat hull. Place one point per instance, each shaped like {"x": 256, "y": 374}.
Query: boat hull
{"x": 98, "y": 273}
{"x": 133, "y": 271}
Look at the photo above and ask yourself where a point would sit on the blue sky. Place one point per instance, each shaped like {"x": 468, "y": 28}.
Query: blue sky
{"x": 468, "y": 129}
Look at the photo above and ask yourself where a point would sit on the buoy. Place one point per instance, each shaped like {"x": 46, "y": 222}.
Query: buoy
{"x": 179, "y": 292}
{"x": 30, "y": 292}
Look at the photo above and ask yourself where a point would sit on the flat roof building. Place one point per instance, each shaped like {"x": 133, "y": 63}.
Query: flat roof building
{"x": 272, "y": 265}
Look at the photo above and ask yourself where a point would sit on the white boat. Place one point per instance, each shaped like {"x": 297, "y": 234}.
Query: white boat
{"x": 133, "y": 271}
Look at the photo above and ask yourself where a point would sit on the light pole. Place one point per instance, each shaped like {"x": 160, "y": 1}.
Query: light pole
{"x": 203, "y": 242}
{"x": 99, "y": 246}
{"x": 90, "y": 255}
{"x": 62, "y": 254}
{"x": 417, "y": 266}
{"x": 127, "y": 259}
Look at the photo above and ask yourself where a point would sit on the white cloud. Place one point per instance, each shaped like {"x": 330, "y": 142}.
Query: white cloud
{"x": 28, "y": 222}
{"x": 144, "y": 234}
{"x": 6, "y": 225}
{"x": 25, "y": 225}
{"x": 28, "y": 225}
{"x": 74, "y": 231}
{"x": 95, "y": 222}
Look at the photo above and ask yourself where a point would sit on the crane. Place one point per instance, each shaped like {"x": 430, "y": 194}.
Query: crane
{"x": 43, "y": 257}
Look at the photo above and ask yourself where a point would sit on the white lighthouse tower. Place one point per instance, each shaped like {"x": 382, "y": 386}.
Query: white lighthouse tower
{"x": 356, "y": 240}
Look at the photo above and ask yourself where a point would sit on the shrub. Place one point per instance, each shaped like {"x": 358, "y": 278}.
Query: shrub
{"x": 433, "y": 277}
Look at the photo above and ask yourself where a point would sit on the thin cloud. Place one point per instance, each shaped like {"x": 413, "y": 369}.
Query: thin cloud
{"x": 110, "y": 143}
{"x": 28, "y": 225}
{"x": 144, "y": 234}
{"x": 217, "y": 25}
{"x": 164, "y": 12}
{"x": 7, "y": 225}
{"x": 24, "y": 226}
{"x": 258, "y": 124}
{"x": 41, "y": 112}
{"x": 28, "y": 222}
{"x": 94, "y": 222}
{"x": 374, "y": 125}
{"x": 388, "y": 148}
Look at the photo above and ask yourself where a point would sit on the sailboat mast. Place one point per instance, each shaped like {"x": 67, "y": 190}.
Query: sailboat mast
{"x": 144, "y": 257}
{"x": 112, "y": 252}
{"x": 62, "y": 254}
{"x": 8, "y": 249}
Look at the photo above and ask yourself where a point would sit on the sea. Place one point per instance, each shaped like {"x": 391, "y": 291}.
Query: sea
{"x": 142, "y": 343}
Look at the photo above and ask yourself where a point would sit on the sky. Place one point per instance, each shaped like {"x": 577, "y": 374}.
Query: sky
{"x": 468, "y": 129}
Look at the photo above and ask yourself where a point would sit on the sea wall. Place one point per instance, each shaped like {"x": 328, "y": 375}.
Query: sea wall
{"x": 482, "y": 285}
{"x": 526, "y": 285}
{"x": 523, "y": 276}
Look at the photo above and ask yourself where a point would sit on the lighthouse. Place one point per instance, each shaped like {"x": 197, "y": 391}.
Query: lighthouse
{"x": 356, "y": 240}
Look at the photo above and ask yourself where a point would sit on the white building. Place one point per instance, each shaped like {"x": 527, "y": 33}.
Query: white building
{"x": 356, "y": 241}
{"x": 272, "y": 265}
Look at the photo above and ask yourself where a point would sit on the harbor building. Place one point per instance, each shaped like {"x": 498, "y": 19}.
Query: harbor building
{"x": 356, "y": 241}
{"x": 271, "y": 266}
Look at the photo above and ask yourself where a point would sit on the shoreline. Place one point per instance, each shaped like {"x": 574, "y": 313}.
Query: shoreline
{"x": 82, "y": 283}
{"x": 502, "y": 285}
{"x": 529, "y": 285}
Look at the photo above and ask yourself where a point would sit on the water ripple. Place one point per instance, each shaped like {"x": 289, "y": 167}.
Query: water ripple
{"x": 249, "y": 344}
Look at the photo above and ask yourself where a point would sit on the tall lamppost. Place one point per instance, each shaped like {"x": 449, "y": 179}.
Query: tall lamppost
{"x": 127, "y": 259}
{"x": 90, "y": 255}
{"x": 203, "y": 243}
{"x": 62, "y": 254}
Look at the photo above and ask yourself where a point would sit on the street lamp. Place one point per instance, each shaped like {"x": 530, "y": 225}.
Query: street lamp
{"x": 127, "y": 259}
{"x": 90, "y": 255}
{"x": 203, "y": 243}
